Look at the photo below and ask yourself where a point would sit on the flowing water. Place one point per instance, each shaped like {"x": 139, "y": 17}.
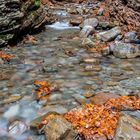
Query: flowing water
{"x": 58, "y": 57}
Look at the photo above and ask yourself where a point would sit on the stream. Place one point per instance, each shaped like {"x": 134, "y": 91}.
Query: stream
{"x": 58, "y": 57}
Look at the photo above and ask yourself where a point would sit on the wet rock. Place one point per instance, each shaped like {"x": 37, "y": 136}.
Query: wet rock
{"x": 6, "y": 138}
{"x": 5, "y": 74}
{"x": 88, "y": 43}
{"x": 88, "y": 94}
{"x": 86, "y": 31}
{"x": 55, "y": 97}
{"x": 1, "y": 61}
{"x": 79, "y": 98}
{"x": 54, "y": 108}
{"x": 93, "y": 68}
{"x": 58, "y": 128}
{"x": 119, "y": 38}
{"x": 11, "y": 99}
{"x": 50, "y": 69}
{"x": 112, "y": 83}
{"x": 93, "y": 22}
{"x": 72, "y": 10}
{"x": 102, "y": 97}
{"x": 130, "y": 36}
{"x": 109, "y": 35}
{"x": 128, "y": 128}
{"x": 105, "y": 51}
{"x": 76, "y": 21}
{"x": 17, "y": 128}
{"x": 126, "y": 50}
{"x": 91, "y": 61}
{"x": 12, "y": 112}
{"x": 18, "y": 16}
{"x": 105, "y": 25}
{"x": 36, "y": 124}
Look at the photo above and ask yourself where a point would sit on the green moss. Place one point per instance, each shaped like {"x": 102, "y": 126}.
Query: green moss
{"x": 6, "y": 37}
{"x": 37, "y": 3}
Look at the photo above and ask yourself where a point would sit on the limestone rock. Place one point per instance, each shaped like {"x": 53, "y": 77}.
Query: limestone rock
{"x": 126, "y": 50}
{"x": 93, "y": 22}
{"x": 59, "y": 129}
{"x": 109, "y": 35}
{"x": 88, "y": 43}
{"x": 128, "y": 129}
{"x": 86, "y": 31}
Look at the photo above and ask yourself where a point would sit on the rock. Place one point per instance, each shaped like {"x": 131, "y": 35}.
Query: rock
{"x": 88, "y": 43}
{"x": 101, "y": 98}
{"x": 76, "y": 21}
{"x": 72, "y": 10}
{"x": 92, "y": 61}
{"x": 12, "y": 112}
{"x": 109, "y": 35}
{"x": 11, "y": 99}
{"x": 100, "y": 11}
{"x": 88, "y": 94}
{"x": 128, "y": 128}
{"x": 130, "y": 35}
{"x": 49, "y": 69}
{"x": 93, "y": 22}
{"x": 55, "y": 97}
{"x": 93, "y": 68}
{"x": 1, "y": 61}
{"x": 58, "y": 128}
{"x": 126, "y": 50}
{"x": 86, "y": 31}
{"x": 19, "y": 16}
{"x": 119, "y": 38}
{"x": 17, "y": 128}
{"x": 105, "y": 25}
{"x": 79, "y": 98}
{"x": 54, "y": 108}
{"x": 36, "y": 124}
{"x": 6, "y": 138}
{"x": 105, "y": 50}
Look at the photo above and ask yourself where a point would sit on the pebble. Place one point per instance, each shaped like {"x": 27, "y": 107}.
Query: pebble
{"x": 79, "y": 98}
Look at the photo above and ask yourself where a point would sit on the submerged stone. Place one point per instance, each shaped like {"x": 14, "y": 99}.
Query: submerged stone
{"x": 128, "y": 128}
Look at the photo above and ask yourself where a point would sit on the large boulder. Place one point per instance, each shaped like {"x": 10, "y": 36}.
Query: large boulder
{"x": 109, "y": 35}
{"x": 59, "y": 129}
{"x": 19, "y": 16}
{"x": 125, "y": 50}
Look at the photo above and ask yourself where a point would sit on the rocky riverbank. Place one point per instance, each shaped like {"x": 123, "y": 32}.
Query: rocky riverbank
{"x": 19, "y": 17}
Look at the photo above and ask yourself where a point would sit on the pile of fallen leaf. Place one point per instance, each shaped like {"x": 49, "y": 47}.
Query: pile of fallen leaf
{"x": 100, "y": 121}
{"x": 122, "y": 12}
{"x": 5, "y": 57}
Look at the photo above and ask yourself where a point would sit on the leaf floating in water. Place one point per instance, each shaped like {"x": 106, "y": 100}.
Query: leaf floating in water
{"x": 5, "y": 57}
{"x": 44, "y": 88}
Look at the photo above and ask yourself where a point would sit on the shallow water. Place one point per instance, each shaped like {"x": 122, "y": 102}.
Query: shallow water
{"x": 61, "y": 26}
{"x": 58, "y": 57}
